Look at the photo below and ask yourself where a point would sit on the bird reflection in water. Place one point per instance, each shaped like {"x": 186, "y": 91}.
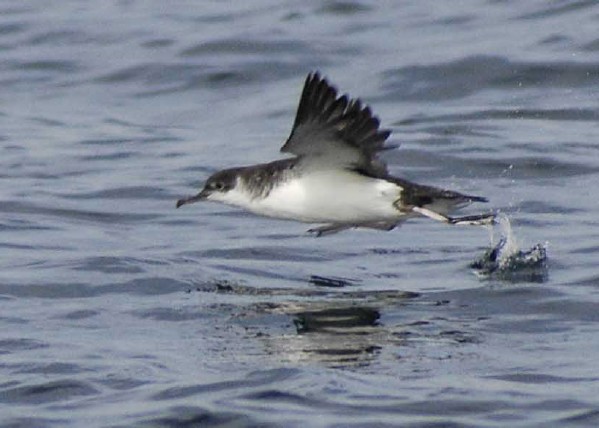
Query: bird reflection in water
{"x": 343, "y": 335}
{"x": 338, "y": 332}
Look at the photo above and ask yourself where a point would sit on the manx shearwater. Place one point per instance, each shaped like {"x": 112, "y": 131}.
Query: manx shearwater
{"x": 335, "y": 178}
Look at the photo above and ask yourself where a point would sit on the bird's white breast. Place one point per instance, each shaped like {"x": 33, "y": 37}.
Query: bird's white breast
{"x": 334, "y": 196}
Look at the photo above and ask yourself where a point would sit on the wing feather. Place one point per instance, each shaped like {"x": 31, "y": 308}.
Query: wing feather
{"x": 339, "y": 130}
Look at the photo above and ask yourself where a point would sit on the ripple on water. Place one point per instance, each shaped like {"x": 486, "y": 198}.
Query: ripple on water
{"x": 110, "y": 264}
{"x": 571, "y": 114}
{"x": 122, "y": 192}
{"x": 464, "y": 77}
{"x": 66, "y": 213}
{"x": 141, "y": 287}
{"x": 47, "y": 392}
{"x": 251, "y": 380}
{"x": 8, "y": 346}
{"x": 190, "y": 416}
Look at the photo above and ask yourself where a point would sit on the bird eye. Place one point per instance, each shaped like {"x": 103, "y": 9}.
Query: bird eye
{"x": 218, "y": 185}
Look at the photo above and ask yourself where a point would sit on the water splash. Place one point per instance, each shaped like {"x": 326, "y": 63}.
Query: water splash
{"x": 505, "y": 260}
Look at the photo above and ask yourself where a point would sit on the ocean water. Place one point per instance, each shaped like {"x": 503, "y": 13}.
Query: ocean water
{"x": 119, "y": 310}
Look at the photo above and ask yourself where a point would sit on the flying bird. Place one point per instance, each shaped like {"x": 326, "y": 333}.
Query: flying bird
{"x": 334, "y": 178}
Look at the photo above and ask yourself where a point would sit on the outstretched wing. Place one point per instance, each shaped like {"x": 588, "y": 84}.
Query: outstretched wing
{"x": 336, "y": 131}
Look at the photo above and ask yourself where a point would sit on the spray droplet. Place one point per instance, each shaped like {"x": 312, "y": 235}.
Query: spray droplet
{"x": 505, "y": 260}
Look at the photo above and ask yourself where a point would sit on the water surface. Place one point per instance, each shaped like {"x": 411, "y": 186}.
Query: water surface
{"x": 118, "y": 310}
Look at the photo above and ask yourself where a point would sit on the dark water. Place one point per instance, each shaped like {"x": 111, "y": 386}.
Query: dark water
{"x": 118, "y": 310}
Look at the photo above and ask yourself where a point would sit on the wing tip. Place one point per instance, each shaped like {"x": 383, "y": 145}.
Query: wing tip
{"x": 320, "y": 102}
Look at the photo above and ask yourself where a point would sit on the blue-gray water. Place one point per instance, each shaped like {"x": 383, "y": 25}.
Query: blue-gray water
{"x": 118, "y": 310}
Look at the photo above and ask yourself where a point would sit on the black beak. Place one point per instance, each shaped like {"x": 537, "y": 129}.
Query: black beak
{"x": 199, "y": 197}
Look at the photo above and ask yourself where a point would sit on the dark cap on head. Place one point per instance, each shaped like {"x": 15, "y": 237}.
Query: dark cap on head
{"x": 221, "y": 181}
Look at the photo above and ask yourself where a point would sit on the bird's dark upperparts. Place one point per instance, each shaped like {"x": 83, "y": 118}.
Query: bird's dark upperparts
{"x": 335, "y": 177}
